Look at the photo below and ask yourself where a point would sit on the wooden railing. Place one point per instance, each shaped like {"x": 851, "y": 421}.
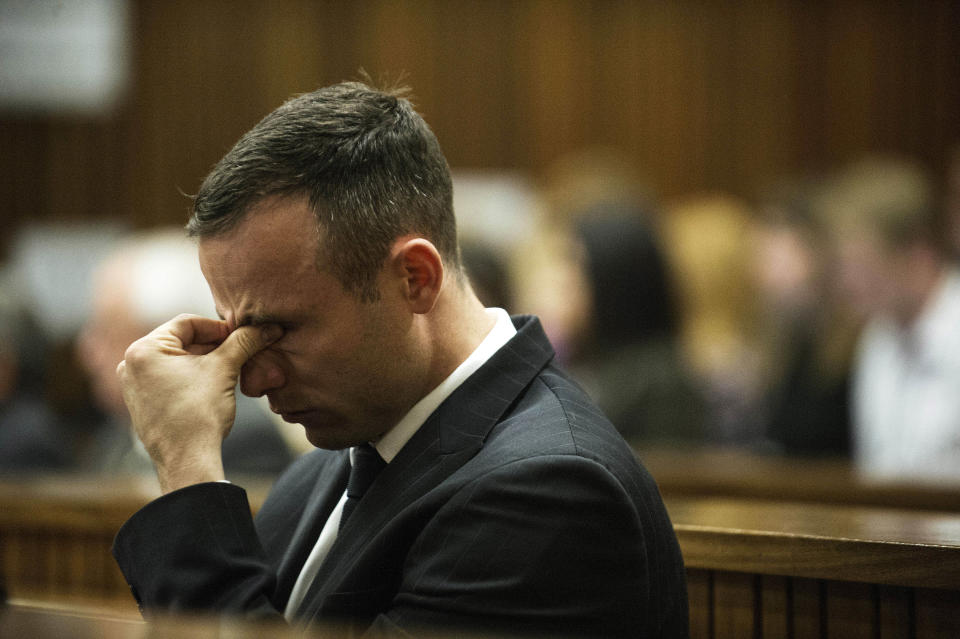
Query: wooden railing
{"x": 788, "y": 569}
{"x": 756, "y": 568}
{"x": 734, "y": 473}
{"x": 56, "y": 534}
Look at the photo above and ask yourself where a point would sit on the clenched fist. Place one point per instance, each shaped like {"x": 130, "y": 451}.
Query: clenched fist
{"x": 178, "y": 383}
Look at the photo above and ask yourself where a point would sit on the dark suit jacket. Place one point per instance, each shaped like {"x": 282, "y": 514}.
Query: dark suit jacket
{"x": 516, "y": 508}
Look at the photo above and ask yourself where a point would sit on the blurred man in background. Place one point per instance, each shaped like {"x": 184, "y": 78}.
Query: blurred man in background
{"x": 894, "y": 269}
{"x": 806, "y": 332}
{"x": 32, "y": 436}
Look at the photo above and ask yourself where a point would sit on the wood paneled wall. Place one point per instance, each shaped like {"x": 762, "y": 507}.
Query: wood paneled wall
{"x": 698, "y": 95}
{"x": 733, "y": 605}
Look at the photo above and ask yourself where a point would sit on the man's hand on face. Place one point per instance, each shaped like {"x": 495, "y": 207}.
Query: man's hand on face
{"x": 178, "y": 383}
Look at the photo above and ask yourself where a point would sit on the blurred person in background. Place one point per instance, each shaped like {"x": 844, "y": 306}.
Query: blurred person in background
{"x": 708, "y": 245}
{"x": 952, "y": 201}
{"x": 488, "y": 273}
{"x": 547, "y": 269}
{"x": 147, "y": 279}
{"x": 894, "y": 270}
{"x": 807, "y": 337}
{"x": 595, "y": 274}
{"x": 550, "y": 283}
{"x": 613, "y": 308}
{"x": 627, "y": 355}
{"x": 32, "y": 437}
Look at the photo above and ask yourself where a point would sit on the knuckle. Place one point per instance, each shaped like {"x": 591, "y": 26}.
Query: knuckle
{"x": 132, "y": 353}
{"x": 135, "y": 354}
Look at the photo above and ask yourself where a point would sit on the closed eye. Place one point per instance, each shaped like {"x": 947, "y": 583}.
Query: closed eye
{"x": 256, "y": 319}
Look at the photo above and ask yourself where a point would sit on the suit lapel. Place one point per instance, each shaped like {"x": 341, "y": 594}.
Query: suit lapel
{"x": 448, "y": 439}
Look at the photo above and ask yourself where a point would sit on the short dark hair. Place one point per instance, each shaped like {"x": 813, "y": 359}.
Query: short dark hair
{"x": 369, "y": 164}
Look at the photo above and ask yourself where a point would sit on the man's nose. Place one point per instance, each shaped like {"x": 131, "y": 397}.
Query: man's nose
{"x": 261, "y": 374}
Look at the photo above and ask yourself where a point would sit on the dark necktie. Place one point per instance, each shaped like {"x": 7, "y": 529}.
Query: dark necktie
{"x": 366, "y": 465}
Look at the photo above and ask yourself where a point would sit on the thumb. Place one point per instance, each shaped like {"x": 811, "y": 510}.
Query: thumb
{"x": 245, "y": 342}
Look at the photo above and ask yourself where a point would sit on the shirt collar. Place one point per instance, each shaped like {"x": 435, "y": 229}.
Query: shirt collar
{"x": 394, "y": 439}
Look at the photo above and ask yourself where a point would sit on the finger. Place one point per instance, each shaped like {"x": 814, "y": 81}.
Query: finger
{"x": 194, "y": 329}
{"x": 201, "y": 349}
{"x": 247, "y": 341}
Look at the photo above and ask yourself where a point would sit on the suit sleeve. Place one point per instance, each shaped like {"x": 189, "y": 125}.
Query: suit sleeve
{"x": 196, "y": 549}
{"x": 550, "y": 545}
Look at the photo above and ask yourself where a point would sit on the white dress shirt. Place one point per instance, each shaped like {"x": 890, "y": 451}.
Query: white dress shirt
{"x": 906, "y": 392}
{"x": 394, "y": 439}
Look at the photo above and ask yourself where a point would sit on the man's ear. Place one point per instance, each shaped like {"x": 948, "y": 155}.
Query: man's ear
{"x": 417, "y": 262}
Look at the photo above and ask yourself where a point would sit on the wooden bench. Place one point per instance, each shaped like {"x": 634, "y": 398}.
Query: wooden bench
{"x": 22, "y": 618}
{"x": 788, "y": 569}
{"x": 56, "y": 534}
{"x": 756, "y": 568}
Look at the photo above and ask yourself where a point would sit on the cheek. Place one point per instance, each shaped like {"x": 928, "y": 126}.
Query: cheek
{"x": 306, "y": 363}
{"x": 333, "y": 356}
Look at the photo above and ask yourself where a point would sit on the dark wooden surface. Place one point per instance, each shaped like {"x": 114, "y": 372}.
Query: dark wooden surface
{"x": 871, "y": 545}
{"x": 24, "y": 619}
{"x": 56, "y": 534}
{"x": 736, "y": 474}
{"x": 789, "y": 569}
{"x": 29, "y": 619}
{"x": 756, "y": 568}
{"x": 735, "y": 605}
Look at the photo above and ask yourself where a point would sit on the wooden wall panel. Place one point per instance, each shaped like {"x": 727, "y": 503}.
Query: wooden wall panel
{"x": 734, "y": 599}
{"x": 852, "y": 610}
{"x": 698, "y": 95}
{"x": 807, "y": 611}
{"x": 745, "y": 605}
{"x": 700, "y": 598}
{"x": 775, "y": 606}
{"x": 896, "y": 618}
{"x": 937, "y": 614}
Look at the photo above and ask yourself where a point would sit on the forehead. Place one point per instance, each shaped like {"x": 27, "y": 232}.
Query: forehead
{"x": 266, "y": 263}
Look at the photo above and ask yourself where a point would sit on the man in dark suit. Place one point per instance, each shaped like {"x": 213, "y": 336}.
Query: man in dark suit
{"x": 464, "y": 481}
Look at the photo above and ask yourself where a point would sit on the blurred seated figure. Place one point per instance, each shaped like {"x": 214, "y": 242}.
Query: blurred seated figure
{"x": 951, "y": 202}
{"x": 488, "y": 274}
{"x": 708, "y": 245}
{"x": 145, "y": 281}
{"x": 548, "y": 266}
{"x": 595, "y": 274}
{"x": 627, "y": 355}
{"x": 598, "y": 280}
{"x": 32, "y": 437}
{"x": 894, "y": 269}
{"x": 808, "y": 338}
